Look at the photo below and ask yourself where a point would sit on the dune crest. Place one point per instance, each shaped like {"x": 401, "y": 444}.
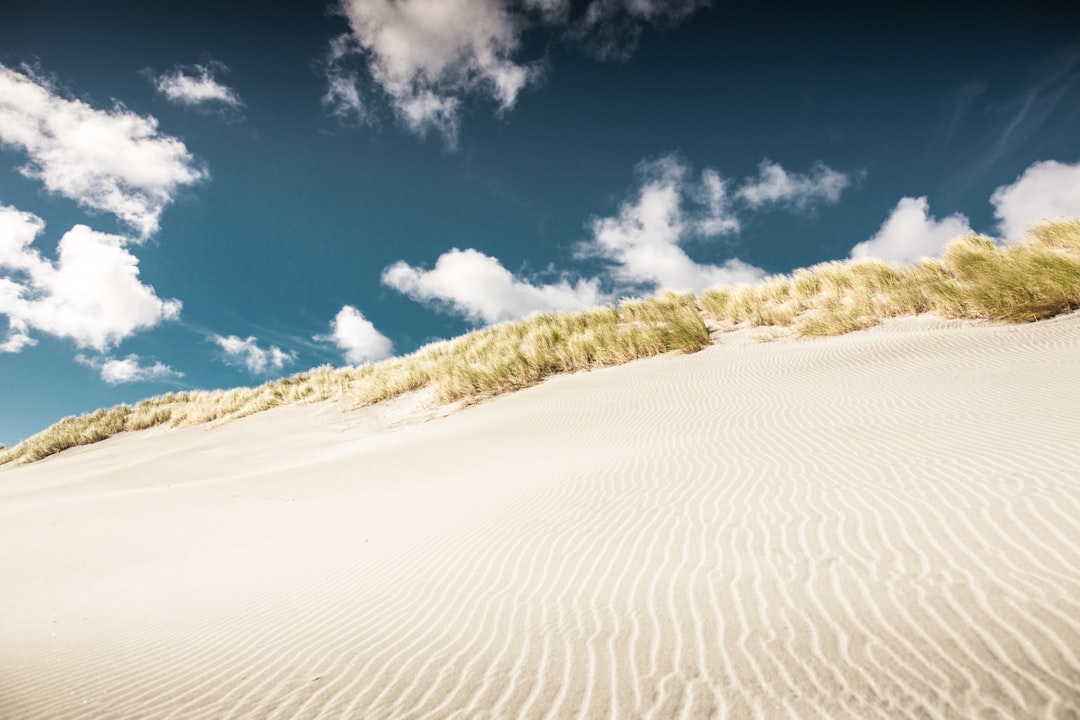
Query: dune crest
{"x": 876, "y": 525}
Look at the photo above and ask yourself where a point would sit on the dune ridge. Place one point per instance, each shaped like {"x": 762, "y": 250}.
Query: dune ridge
{"x": 976, "y": 278}
{"x": 877, "y": 525}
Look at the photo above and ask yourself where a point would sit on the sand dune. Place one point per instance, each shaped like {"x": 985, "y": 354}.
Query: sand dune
{"x": 880, "y": 525}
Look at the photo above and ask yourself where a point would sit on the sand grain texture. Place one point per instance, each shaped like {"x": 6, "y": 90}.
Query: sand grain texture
{"x": 879, "y": 525}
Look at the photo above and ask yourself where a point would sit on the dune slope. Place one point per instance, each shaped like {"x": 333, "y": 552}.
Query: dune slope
{"x": 884, "y": 524}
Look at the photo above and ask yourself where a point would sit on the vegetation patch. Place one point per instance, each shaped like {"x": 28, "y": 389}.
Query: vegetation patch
{"x": 484, "y": 363}
{"x": 974, "y": 279}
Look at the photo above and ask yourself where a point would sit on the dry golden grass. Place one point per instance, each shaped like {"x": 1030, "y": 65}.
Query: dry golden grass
{"x": 488, "y": 362}
{"x": 974, "y": 279}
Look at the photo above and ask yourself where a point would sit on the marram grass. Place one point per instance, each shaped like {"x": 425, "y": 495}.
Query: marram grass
{"x": 487, "y": 362}
{"x": 974, "y": 279}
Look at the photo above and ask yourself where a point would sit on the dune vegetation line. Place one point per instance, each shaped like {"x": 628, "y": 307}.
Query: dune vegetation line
{"x": 974, "y": 279}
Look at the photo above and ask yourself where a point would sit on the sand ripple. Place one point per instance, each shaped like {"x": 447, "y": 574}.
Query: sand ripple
{"x": 882, "y": 525}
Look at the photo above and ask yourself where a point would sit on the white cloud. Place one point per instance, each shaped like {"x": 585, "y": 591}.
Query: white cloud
{"x": 247, "y": 352}
{"x": 643, "y": 239}
{"x": 554, "y": 12}
{"x": 611, "y": 28}
{"x": 480, "y": 288}
{"x": 641, "y": 244}
{"x": 18, "y": 336}
{"x": 911, "y": 233}
{"x": 1045, "y": 191}
{"x": 128, "y": 369}
{"x": 357, "y": 337}
{"x": 428, "y": 54}
{"x": 90, "y": 294}
{"x": 342, "y": 97}
{"x": 197, "y": 86}
{"x": 115, "y": 161}
{"x": 775, "y": 185}
{"x": 719, "y": 218}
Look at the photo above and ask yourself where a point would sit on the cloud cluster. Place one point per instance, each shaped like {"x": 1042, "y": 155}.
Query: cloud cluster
{"x": 478, "y": 287}
{"x": 90, "y": 294}
{"x": 115, "y": 161}
{"x": 197, "y": 86}
{"x": 127, "y": 369}
{"x": 1044, "y": 191}
{"x": 775, "y": 185}
{"x": 246, "y": 352}
{"x": 642, "y": 241}
{"x": 641, "y": 244}
{"x": 357, "y": 337}
{"x": 428, "y": 56}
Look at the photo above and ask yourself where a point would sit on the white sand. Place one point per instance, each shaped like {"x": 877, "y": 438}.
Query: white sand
{"x": 885, "y": 524}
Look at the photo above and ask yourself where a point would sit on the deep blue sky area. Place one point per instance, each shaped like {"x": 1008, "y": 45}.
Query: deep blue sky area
{"x": 330, "y": 155}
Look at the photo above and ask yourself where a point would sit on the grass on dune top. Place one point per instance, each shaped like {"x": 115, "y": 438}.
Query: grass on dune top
{"x": 487, "y": 362}
{"x": 974, "y": 279}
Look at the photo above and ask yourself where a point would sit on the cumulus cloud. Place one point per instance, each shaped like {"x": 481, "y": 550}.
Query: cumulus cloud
{"x": 910, "y": 232}
{"x": 111, "y": 160}
{"x": 247, "y": 352}
{"x": 480, "y": 288}
{"x": 197, "y": 86}
{"x": 128, "y": 369}
{"x": 1045, "y": 191}
{"x": 91, "y": 293}
{"x": 641, "y": 244}
{"x": 643, "y": 239}
{"x": 430, "y": 56}
{"x": 357, "y": 337}
{"x": 775, "y": 185}
{"x": 427, "y": 54}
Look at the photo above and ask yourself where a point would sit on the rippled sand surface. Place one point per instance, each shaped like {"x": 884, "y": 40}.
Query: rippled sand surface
{"x": 881, "y": 525}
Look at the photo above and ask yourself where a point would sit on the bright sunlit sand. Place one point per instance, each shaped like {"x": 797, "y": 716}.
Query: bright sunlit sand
{"x": 877, "y": 525}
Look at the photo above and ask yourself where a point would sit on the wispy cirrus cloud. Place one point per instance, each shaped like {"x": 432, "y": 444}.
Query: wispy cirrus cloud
{"x": 610, "y": 29}
{"x": 91, "y": 294}
{"x": 247, "y": 353}
{"x": 129, "y": 369}
{"x": 197, "y": 86}
{"x": 342, "y": 98}
{"x": 111, "y": 160}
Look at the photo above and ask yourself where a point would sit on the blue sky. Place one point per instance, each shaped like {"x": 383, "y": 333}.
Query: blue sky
{"x": 201, "y": 195}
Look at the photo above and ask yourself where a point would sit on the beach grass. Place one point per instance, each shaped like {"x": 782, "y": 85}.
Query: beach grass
{"x": 480, "y": 364}
{"x": 974, "y": 279}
